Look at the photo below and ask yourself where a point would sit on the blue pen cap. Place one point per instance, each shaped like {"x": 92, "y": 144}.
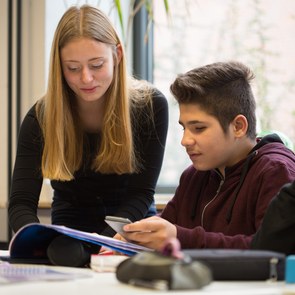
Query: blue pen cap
{"x": 290, "y": 269}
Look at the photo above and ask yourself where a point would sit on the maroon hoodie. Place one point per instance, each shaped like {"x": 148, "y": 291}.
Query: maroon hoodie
{"x": 212, "y": 211}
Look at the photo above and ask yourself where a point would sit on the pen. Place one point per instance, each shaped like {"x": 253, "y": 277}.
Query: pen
{"x": 106, "y": 253}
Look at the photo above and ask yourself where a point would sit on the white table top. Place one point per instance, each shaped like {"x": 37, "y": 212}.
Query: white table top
{"x": 106, "y": 283}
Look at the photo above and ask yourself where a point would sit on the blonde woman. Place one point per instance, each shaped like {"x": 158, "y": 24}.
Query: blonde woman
{"x": 97, "y": 134}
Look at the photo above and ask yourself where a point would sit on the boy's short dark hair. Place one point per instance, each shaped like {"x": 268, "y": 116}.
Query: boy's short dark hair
{"x": 221, "y": 89}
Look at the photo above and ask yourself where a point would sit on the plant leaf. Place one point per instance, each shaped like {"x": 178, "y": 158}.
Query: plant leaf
{"x": 120, "y": 14}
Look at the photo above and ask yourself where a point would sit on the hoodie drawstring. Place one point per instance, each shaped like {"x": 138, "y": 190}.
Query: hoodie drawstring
{"x": 242, "y": 178}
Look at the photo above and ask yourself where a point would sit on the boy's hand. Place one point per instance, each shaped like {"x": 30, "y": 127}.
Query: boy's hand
{"x": 152, "y": 232}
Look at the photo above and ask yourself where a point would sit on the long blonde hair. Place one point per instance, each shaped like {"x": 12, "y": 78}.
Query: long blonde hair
{"x": 56, "y": 112}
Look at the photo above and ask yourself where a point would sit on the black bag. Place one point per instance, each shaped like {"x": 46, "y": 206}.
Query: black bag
{"x": 235, "y": 264}
{"x": 158, "y": 271}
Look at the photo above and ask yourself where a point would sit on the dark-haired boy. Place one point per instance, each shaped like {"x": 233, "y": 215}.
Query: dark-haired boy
{"x": 221, "y": 199}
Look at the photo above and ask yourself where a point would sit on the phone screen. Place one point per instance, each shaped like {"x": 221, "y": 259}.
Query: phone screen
{"x": 117, "y": 223}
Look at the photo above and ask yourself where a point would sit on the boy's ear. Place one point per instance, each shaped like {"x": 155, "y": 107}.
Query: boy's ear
{"x": 240, "y": 125}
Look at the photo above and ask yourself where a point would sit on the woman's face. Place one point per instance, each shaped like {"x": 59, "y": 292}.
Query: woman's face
{"x": 88, "y": 67}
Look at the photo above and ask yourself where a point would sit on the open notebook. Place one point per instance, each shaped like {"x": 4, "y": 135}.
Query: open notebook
{"x": 16, "y": 273}
{"x": 30, "y": 243}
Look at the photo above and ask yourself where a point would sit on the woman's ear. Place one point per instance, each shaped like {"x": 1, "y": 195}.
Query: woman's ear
{"x": 119, "y": 52}
{"x": 240, "y": 125}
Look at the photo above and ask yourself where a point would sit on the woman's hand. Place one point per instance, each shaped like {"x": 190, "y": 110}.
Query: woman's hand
{"x": 119, "y": 237}
{"x": 107, "y": 251}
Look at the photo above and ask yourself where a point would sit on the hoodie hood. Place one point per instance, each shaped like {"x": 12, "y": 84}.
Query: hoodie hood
{"x": 258, "y": 150}
{"x": 270, "y": 138}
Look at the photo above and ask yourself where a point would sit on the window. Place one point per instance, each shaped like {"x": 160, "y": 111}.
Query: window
{"x": 258, "y": 33}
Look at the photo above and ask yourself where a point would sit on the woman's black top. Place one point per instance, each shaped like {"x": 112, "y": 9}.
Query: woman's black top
{"x": 83, "y": 202}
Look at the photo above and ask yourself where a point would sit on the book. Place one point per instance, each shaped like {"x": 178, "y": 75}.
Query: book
{"x": 30, "y": 243}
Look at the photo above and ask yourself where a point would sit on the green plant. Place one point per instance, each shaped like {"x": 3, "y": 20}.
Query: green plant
{"x": 134, "y": 8}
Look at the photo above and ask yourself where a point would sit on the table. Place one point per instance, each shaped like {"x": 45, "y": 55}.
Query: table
{"x": 107, "y": 284}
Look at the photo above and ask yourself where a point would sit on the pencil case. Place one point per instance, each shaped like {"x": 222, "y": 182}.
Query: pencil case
{"x": 242, "y": 265}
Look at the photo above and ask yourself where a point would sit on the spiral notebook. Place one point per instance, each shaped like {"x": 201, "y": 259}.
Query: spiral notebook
{"x": 16, "y": 273}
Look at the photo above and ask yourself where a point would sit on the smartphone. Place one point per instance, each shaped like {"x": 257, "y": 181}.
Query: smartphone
{"x": 117, "y": 223}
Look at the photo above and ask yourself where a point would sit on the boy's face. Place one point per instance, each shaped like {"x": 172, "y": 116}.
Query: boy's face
{"x": 204, "y": 139}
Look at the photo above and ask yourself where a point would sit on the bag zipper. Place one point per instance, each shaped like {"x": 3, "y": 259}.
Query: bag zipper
{"x": 273, "y": 274}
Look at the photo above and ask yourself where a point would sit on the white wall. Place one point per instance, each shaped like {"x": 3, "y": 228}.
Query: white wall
{"x": 3, "y": 120}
